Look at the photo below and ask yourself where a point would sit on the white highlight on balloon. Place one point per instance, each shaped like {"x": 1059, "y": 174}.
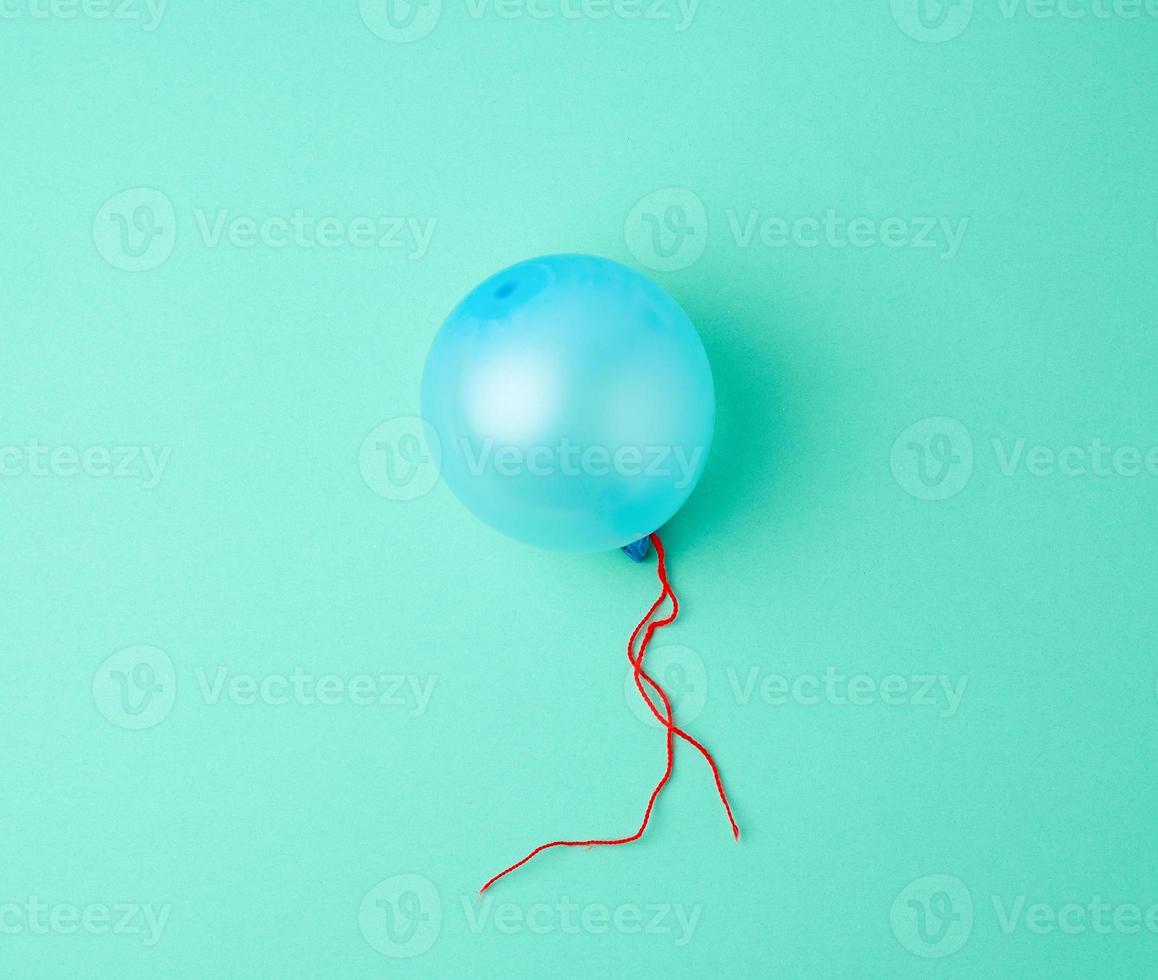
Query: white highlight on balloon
{"x": 512, "y": 398}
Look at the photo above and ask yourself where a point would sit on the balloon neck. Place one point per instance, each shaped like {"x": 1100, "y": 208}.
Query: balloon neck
{"x": 637, "y": 550}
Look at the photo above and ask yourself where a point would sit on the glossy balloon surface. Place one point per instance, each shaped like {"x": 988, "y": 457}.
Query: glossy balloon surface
{"x": 573, "y": 401}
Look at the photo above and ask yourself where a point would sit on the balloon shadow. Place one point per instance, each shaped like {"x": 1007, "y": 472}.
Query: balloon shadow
{"x": 740, "y": 486}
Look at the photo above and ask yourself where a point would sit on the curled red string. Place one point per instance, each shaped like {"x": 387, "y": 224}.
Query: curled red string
{"x": 667, "y": 719}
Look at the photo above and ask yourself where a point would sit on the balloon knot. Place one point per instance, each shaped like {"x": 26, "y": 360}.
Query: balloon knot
{"x": 637, "y": 550}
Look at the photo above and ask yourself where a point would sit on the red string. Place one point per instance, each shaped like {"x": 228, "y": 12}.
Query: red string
{"x": 641, "y": 675}
{"x": 667, "y": 719}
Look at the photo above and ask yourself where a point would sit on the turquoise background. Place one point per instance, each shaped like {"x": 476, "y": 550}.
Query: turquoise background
{"x": 265, "y": 546}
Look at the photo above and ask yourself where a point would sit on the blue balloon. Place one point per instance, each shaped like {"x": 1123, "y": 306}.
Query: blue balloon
{"x": 573, "y": 402}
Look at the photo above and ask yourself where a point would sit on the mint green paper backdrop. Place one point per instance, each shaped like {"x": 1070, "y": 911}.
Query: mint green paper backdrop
{"x": 274, "y": 704}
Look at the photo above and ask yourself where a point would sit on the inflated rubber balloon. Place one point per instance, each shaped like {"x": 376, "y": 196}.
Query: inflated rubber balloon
{"x": 574, "y": 403}
{"x": 574, "y": 406}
